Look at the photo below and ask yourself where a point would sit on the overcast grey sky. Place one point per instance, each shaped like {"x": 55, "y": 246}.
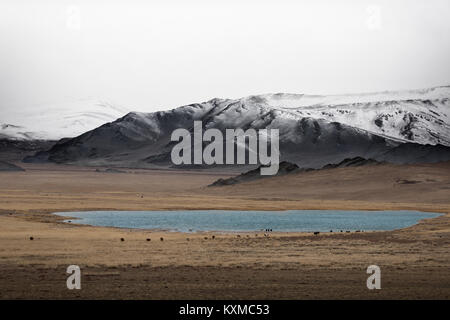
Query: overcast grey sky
{"x": 153, "y": 55}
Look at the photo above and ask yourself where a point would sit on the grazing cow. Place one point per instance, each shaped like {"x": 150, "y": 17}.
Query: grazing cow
{"x": 162, "y": 239}
{"x": 122, "y": 239}
{"x": 316, "y": 233}
{"x": 31, "y": 238}
{"x": 148, "y": 239}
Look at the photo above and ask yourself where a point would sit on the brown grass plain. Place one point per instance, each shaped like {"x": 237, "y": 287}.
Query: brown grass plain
{"x": 414, "y": 262}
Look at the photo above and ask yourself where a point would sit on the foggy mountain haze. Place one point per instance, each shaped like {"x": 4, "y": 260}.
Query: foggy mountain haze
{"x": 163, "y": 54}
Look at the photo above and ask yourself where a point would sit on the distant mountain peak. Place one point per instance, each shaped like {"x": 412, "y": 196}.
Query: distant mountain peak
{"x": 56, "y": 121}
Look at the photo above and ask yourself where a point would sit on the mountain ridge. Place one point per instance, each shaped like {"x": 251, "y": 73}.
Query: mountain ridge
{"x": 400, "y": 131}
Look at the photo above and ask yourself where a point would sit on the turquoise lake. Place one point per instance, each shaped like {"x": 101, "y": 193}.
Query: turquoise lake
{"x": 278, "y": 221}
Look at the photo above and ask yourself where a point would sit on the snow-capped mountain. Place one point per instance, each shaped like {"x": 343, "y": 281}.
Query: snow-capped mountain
{"x": 401, "y": 127}
{"x": 59, "y": 121}
{"x": 421, "y": 116}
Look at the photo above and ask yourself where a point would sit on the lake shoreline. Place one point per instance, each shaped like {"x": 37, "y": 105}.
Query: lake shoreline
{"x": 357, "y": 219}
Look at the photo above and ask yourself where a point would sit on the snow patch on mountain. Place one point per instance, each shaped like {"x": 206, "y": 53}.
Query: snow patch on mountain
{"x": 55, "y": 122}
{"x": 290, "y": 100}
